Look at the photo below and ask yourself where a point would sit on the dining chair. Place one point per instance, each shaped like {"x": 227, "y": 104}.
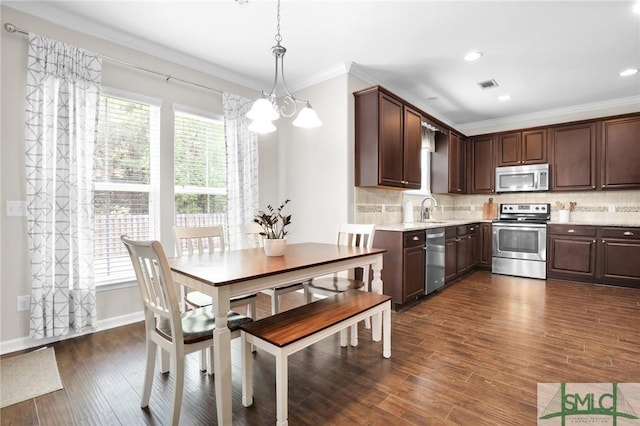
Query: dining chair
{"x": 253, "y": 240}
{"x": 354, "y": 235}
{"x": 178, "y": 333}
{"x": 190, "y": 239}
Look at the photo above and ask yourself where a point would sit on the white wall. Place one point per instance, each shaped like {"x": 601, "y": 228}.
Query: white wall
{"x": 117, "y": 305}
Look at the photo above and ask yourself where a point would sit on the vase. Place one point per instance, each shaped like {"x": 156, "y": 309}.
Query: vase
{"x": 564, "y": 216}
{"x": 274, "y": 247}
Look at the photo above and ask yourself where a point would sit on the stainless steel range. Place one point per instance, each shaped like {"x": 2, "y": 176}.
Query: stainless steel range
{"x": 520, "y": 240}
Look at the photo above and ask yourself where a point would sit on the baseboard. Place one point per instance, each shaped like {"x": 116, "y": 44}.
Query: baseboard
{"x": 27, "y": 342}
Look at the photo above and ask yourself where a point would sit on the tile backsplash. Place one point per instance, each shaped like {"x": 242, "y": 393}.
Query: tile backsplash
{"x": 381, "y": 206}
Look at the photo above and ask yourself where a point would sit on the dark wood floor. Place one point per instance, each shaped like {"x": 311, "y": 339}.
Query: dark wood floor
{"x": 470, "y": 355}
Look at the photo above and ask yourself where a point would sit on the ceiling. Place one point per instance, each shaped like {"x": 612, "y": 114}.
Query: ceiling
{"x": 548, "y": 55}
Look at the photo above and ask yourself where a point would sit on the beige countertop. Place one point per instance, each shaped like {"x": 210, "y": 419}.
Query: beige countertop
{"x": 416, "y": 226}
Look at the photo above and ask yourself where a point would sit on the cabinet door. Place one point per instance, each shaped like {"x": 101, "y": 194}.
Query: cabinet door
{"x": 412, "y": 148}
{"x": 574, "y": 256}
{"x": 414, "y": 273}
{"x": 486, "y": 245}
{"x": 534, "y": 146}
{"x": 482, "y": 169}
{"x": 457, "y": 164}
{"x": 391, "y": 148}
{"x": 462, "y": 253}
{"x": 450, "y": 259}
{"x": 620, "y": 160}
{"x": 619, "y": 260}
{"x": 508, "y": 149}
{"x": 573, "y": 157}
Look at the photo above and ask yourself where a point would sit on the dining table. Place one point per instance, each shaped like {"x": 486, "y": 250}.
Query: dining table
{"x": 226, "y": 274}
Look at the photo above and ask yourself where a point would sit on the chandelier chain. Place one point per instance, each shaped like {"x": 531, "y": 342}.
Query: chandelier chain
{"x": 278, "y": 36}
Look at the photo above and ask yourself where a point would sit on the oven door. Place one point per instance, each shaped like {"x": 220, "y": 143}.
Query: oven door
{"x": 520, "y": 241}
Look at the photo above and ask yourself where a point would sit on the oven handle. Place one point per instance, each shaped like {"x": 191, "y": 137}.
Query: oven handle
{"x": 528, "y": 227}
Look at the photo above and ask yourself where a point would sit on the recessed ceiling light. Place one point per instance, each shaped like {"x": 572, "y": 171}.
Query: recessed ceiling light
{"x": 472, "y": 56}
{"x": 628, "y": 72}
{"x": 503, "y": 98}
{"x": 636, "y": 8}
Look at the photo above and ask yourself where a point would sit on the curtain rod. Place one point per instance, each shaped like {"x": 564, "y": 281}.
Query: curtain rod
{"x": 9, "y": 27}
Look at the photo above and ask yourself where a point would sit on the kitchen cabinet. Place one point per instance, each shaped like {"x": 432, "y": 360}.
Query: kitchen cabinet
{"x": 619, "y": 255}
{"x": 521, "y": 147}
{"x": 620, "y": 153}
{"x": 388, "y": 139}
{"x": 482, "y": 169}
{"x": 485, "y": 244}
{"x": 573, "y": 156}
{"x": 448, "y": 164}
{"x": 459, "y": 251}
{"x": 571, "y": 252}
{"x": 606, "y": 255}
{"x": 403, "y": 275}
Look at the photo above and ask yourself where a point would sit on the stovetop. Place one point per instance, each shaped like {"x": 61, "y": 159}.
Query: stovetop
{"x": 527, "y": 212}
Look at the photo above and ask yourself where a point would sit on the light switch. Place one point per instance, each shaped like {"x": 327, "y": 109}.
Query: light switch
{"x": 16, "y": 208}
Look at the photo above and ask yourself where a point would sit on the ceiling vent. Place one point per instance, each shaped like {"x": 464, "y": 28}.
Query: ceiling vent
{"x": 489, "y": 84}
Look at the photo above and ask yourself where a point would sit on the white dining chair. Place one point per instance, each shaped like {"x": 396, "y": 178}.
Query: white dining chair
{"x": 254, "y": 239}
{"x": 178, "y": 333}
{"x": 354, "y": 235}
{"x": 192, "y": 239}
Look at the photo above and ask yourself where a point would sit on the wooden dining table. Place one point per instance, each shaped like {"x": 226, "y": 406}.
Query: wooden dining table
{"x": 232, "y": 273}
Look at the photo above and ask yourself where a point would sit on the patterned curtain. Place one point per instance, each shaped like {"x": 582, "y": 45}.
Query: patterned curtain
{"x": 242, "y": 167}
{"x": 63, "y": 91}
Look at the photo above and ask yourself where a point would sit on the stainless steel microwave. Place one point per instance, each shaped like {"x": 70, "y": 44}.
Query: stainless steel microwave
{"x": 532, "y": 177}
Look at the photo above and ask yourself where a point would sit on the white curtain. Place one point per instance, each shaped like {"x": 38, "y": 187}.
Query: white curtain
{"x": 242, "y": 167}
{"x": 63, "y": 91}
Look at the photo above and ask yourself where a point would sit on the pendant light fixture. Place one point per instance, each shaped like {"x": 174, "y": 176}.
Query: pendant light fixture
{"x": 269, "y": 107}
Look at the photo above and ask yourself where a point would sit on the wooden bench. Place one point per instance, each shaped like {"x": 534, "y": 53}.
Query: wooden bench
{"x": 288, "y": 332}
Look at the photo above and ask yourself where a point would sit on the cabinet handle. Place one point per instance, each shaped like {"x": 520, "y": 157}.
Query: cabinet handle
{"x": 603, "y": 241}
{"x": 628, "y": 233}
{"x": 603, "y": 185}
{"x": 593, "y": 187}
{"x": 571, "y": 231}
{"x": 594, "y": 241}
{"x": 415, "y": 238}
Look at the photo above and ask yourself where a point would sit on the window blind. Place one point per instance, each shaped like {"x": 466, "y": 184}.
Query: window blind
{"x": 200, "y": 170}
{"x": 126, "y": 180}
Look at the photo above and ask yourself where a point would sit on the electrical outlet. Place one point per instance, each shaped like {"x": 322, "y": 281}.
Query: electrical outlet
{"x": 23, "y": 303}
{"x": 16, "y": 208}
{"x": 612, "y": 208}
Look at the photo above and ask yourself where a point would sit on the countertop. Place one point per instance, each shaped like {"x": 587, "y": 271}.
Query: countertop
{"x": 416, "y": 226}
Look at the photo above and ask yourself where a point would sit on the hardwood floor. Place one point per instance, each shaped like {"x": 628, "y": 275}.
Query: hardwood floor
{"x": 471, "y": 354}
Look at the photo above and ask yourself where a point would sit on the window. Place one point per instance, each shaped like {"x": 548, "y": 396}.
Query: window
{"x": 200, "y": 170}
{"x": 126, "y": 181}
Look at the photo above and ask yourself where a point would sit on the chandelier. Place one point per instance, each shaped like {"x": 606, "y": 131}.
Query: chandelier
{"x": 269, "y": 107}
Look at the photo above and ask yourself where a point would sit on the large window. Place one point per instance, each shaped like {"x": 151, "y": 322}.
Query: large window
{"x": 126, "y": 181}
{"x": 200, "y": 170}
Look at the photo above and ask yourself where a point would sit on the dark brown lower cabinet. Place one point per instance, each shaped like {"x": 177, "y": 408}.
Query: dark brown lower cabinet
{"x": 485, "y": 245}
{"x": 619, "y": 255}
{"x": 460, "y": 251}
{"x": 571, "y": 252}
{"x": 607, "y": 255}
{"x": 403, "y": 274}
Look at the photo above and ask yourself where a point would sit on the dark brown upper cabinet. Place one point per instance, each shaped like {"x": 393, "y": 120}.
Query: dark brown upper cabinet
{"x": 449, "y": 164}
{"x": 573, "y": 156}
{"x": 620, "y": 153}
{"x": 388, "y": 139}
{"x": 521, "y": 147}
{"x": 481, "y": 165}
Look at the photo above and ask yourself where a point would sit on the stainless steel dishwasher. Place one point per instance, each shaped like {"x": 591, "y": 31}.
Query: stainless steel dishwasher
{"x": 434, "y": 252}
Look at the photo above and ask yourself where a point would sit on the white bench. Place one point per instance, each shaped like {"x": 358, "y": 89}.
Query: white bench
{"x": 288, "y": 332}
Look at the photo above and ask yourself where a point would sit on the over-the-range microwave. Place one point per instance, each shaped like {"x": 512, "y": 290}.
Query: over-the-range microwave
{"x": 531, "y": 177}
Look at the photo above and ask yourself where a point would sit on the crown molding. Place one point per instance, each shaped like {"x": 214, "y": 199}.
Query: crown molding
{"x": 553, "y": 116}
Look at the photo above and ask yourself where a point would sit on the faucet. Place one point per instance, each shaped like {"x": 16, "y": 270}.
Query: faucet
{"x": 424, "y": 213}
